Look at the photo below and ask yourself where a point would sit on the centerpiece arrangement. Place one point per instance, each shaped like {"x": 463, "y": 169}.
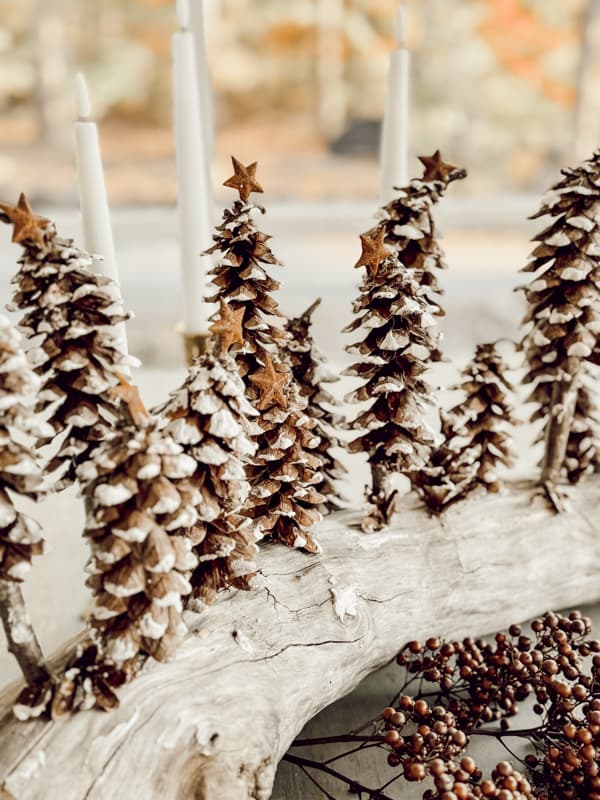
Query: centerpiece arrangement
{"x": 232, "y": 483}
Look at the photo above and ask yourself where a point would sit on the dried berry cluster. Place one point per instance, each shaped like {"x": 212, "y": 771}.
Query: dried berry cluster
{"x": 464, "y": 687}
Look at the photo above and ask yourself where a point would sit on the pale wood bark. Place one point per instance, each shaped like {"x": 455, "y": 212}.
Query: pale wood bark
{"x": 215, "y": 722}
{"x": 20, "y": 636}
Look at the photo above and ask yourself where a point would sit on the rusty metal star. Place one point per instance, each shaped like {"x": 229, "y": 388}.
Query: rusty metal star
{"x": 28, "y": 227}
{"x": 130, "y": 395}
{"x": 228, "y": 327}
{"x": 436, "y": 169}
{"x": 243, "y": 179}
{"x": 270, "y": 383}
{"x": 373, "y": 251}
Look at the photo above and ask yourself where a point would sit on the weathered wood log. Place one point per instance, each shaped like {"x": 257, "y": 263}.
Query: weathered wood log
{"x": 214, "y": 722}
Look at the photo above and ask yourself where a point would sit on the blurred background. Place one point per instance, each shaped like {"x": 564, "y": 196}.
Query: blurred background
{"x": 509, "y": 89}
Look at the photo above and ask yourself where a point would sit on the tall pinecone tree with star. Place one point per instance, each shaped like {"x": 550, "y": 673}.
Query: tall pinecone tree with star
{"x": 210, "y": 418}
{"x": 69, "y": 321}
{"x": 395, "y": 320}
{"x": 563, "y": 317}
{"x": 410, "y": 229}
{"x": 476, "y": 435}
{"x": 309, "y": 368}
{"x": 285, "y": 469}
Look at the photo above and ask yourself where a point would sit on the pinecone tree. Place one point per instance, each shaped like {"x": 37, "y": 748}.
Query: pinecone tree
{"x": 410, "y": 230}
{"x": 308, "y": 367}
{"x": 563, "y": 320}
{"x": 70, "y": 319}
{"x": 395, "y": 319}
{"x": 284, "y": 474}
{"x": 241, "y": 278}
{"x": 583, "y": 448}
{"x": 209, "y": 418}
{"x": 476, "y": 438}
{"x": 285, "y": 468}
{"x": 20, "y": 473}
{"x": 140, "y": 498}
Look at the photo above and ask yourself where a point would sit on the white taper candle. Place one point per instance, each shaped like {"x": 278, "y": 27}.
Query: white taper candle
{"x": 394, "y": 135}
{"x": 97, "y": 229}
{"x": 207, "y": 105}
{"x": 193, "y": 194}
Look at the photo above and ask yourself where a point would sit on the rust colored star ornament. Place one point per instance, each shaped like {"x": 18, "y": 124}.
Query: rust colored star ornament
{"x": 27, "y": 226}
{"x": 228, "y": 327}
{"x": 270, "y": 383}
{"x": 130, "y": 395}
{"x": 373, "y": 251}
{"x": 243, "y": 179}
{"x": 436, "y": 169}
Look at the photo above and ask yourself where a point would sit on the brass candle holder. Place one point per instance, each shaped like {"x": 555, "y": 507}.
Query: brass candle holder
{"x": 195, "y": 344}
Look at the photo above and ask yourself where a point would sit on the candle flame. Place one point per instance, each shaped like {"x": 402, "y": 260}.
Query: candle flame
{"x": 401, "y": 25}
{"x": 183, "y": 14}
{"x": 82, "y": 97}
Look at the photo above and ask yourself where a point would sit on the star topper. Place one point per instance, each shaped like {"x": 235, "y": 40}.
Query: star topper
{"x": 130, "y": 395}
{"x": 244, "y": 179}
{"x": 436, "y": 169}
{"x": 373, "y": 251}
{"x": 270, "y": 383}
{"x": 27, "y": 226}
{"x": 228, "y": 327}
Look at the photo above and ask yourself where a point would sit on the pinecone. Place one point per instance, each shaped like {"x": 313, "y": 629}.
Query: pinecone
{"x": 308, "y": 367}
{"x": 563, "y": 320}
{"x": 243, "y": 283}
{"x": 208, "y": 417}
{"x": 70, "y": 320}
{"x": 20, "y": 474}
{"x": 410, "y": 230}
{"x": 284, "y": 474}
{"x": 583, "y": 447}
{"x": 140, "y": 496}
{"x": 395, "y": 318}
{"x": 475, "y": 436}
{"x": 249, "y": 316}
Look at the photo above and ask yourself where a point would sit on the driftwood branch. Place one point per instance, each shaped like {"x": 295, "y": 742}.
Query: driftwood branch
{"x": 20, "y": 636}
{"x": 214, "y": 722}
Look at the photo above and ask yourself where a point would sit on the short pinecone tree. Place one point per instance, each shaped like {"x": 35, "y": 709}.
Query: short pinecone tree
{"x": 20, "y": 475}
{"x": 583, "y": 447}
{"x": 70, "y": 320}
{"x": 208, "y": 416}
{"x": 308, "y": 367}
{"x": 563, "y": 319}
{"x": 284, "y": 474}
{"x": 410, "y": 231}
{"x": 476, "y": 438}
{"x": 139, "y": 497}
{"x": 395, "y": 319}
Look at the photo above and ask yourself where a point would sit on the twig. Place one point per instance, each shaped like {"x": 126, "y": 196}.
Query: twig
{"x": 346, "y": 737}
{"x": 375, "y": 794}
{"x": 20, "y": 636}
